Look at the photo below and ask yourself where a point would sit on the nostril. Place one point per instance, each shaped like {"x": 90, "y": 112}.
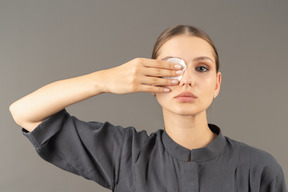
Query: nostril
{"x": 185, "y": 81}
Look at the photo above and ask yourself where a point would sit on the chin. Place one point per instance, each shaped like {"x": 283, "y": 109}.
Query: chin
{"x": 185, "y": 111}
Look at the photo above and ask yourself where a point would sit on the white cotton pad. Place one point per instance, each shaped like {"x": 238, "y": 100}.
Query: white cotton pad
{"x": 177, "y": 61}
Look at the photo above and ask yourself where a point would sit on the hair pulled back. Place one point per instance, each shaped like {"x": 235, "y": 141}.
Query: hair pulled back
{"x": 183, "y": 30}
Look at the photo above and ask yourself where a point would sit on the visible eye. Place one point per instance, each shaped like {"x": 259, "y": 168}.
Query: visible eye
{"x": 202, "y": 69}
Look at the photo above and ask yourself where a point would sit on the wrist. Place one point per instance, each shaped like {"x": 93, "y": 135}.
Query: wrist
{"x": 99, "y": 83}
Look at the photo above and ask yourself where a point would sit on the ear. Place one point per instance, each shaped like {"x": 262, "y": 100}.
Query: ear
{"x": 218, "y": 84}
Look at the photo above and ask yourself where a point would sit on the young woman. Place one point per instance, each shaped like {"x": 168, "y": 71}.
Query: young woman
{"x": 189, "y": 155}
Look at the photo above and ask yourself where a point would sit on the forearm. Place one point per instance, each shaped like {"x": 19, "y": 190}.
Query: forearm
{"x": 32, "y": 109}
{"x": 137, "y": 75}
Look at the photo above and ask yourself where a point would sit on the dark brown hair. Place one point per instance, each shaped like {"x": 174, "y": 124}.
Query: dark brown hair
{"x": 183, "y": 30}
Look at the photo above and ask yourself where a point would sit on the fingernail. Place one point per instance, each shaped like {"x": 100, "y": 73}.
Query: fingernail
{"x": 166, "y": 90}
{"x": 175, "y": 81}
{"x": 178, "y": 66}
{"x": 179, "y": 72}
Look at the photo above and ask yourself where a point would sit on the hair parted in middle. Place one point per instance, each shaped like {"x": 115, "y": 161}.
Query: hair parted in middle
{"x": 183, "y": 30}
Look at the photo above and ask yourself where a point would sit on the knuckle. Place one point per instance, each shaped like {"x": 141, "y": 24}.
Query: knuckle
{"x": 138, "y": 60}
{"x": 134, "y": 72}
{"x": 154, "y": 81}
{"x": 167, "y": 82}
{"x": 151, "y": 89}
{"x": 133, "y": 80}
{"x": 165, "y": 63}
{"x": 160, "y": 89}
{"x": 173, "y": 73}
{"x": 158, "y": 72}
{"x": 133, "y": 87}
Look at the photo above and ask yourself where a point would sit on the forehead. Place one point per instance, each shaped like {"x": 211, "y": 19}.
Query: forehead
{"x": 186, "y": 47}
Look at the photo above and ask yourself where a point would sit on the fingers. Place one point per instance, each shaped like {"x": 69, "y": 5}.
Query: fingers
{"x": 157, "y": 72}
{"x": 153, "y": 89}
{"x": 161, "y": 64}
{"x": 145, "y": 75}
{"x": 155, "y": 81}
{"x": 157, "y": 85}
{"x": 159, "y": 68}
{"x": 152, "y": 72}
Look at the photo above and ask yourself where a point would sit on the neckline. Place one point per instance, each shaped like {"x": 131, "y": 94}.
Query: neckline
{"x": 211, "y": 151}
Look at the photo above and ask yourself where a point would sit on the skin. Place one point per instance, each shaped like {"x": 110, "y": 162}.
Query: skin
{"x": 186, "y": 122}
{"x": 136, "y": 75}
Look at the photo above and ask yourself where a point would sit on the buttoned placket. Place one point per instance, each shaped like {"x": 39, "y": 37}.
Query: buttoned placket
{"x": 190, "y": 176}
{"x": 190, "y": 160}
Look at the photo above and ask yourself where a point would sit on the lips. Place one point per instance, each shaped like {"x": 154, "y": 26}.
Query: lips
{"x": 186, "y": 97}
{"x": 186, "y": 94}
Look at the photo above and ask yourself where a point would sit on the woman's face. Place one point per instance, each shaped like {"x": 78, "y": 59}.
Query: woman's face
{"x": 200, "y": 77}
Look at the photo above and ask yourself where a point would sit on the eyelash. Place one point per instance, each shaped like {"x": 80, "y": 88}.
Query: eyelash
{"x": 202, "y": 69}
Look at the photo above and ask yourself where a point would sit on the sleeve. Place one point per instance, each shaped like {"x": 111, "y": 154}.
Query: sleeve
{"x": 276, "y": 185}
{"x": 265, "y": 173}
{"x": 88, "y": 149}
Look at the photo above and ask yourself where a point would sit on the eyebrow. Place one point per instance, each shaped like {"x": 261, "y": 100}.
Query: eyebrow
{"x": 202, "y": 58}
{"x": 195, "y": 59}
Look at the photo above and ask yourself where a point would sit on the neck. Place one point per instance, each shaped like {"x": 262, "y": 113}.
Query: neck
{"x": 190, "y": 132}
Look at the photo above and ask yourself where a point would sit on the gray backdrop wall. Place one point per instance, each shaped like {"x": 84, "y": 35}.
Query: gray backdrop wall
{"x": 44, "y": 41}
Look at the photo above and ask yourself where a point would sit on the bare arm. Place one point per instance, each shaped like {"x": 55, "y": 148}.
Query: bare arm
{"x": 137, "y": 75}
{"x": 32, "y": 109}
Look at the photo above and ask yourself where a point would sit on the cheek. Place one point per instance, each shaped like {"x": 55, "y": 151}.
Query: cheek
{"x": 165, "y": 100}
{"x": 162, "y": 98}
{"x": 207, "y": 85}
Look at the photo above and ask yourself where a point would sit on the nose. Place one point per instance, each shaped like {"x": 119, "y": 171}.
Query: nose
{"x": 187, "y": 79}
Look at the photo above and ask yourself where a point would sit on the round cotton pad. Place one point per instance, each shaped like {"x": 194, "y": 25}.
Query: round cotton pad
{"x": 177, "y": 61}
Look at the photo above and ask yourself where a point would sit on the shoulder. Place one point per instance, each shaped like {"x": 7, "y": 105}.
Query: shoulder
{"x": 133, "y": 132}
{"x": 137, "y": 142}
{"x": 142, "y": 137}
{"x": 259, "y": 162}
{"x": 257, "y": 156}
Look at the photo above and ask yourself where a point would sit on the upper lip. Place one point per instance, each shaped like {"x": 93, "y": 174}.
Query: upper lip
{"x": 186, "y": 94}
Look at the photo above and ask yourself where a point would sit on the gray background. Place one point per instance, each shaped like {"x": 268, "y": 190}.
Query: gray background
{"x": 44, "y": 41}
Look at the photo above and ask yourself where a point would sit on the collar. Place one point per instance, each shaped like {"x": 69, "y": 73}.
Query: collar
{"x": 207, "y": 153}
